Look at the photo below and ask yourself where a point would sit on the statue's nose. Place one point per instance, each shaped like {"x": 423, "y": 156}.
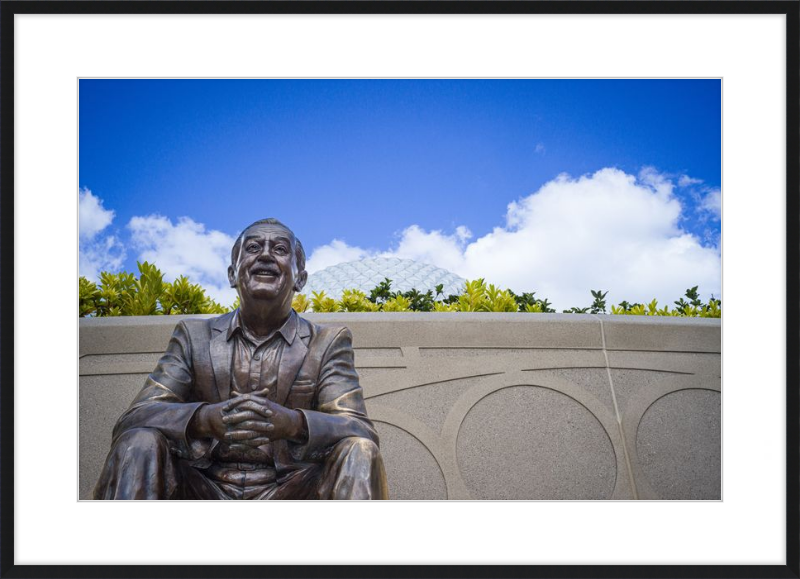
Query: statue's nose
{"x": 266, "y": 257}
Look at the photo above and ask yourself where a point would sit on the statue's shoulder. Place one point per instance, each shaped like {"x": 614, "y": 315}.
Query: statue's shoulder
{"x": 204, "y": 328}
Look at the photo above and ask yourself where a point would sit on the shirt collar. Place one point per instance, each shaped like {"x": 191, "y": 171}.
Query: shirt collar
{"x": 287, "y": 330}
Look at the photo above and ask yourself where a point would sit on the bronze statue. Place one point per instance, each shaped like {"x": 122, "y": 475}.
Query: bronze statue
{"x": 255, "y": 404}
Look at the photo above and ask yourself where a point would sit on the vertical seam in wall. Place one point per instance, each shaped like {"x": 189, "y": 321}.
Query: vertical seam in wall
{"x": 616, "y": 411}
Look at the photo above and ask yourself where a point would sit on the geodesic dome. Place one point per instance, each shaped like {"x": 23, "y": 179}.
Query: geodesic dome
{"x": 365, "y": 274}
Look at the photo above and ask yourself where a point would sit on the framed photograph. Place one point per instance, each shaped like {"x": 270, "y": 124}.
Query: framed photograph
{"x": 549, "y": 147}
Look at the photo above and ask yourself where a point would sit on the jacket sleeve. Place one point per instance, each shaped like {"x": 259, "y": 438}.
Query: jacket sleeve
{"x": 339, "y": 411}
{"x": 163, "y": 403}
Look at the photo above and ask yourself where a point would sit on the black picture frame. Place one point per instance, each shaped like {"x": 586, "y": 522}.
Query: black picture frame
{"x": 10, "y": 8}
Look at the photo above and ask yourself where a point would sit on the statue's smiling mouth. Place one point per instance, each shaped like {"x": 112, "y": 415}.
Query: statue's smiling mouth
{"x": 265, "y": 271}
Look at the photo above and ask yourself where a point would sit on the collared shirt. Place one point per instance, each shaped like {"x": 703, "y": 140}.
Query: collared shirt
{"x": 254, "y": 366}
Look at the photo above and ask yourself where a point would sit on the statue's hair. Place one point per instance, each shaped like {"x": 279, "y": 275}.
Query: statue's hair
{"x": 299, "y": 252}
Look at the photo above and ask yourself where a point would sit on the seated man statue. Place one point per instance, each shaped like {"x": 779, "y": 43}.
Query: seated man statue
{"x": 255, "y": 404}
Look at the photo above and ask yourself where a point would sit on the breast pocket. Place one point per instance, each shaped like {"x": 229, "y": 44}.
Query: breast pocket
{"x": 301, "y": 394}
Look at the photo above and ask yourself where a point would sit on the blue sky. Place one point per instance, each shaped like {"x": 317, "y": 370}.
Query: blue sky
{"x": 558, "y": 186}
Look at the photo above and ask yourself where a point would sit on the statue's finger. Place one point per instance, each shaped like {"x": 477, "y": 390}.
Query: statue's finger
{"x": 256, "y": 407}
{"x": 239, "y": 435}
{"x": 257, "y": 425}
{"x": 237, "y": 417}
{"x": 232, "y": 403}
{"x": 237, "y": 402}
{"x": 255, "y": 442}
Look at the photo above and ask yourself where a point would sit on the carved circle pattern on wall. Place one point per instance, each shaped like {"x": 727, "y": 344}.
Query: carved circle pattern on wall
{"x": 420, "y": 477}
{"x": 528, "y": 442}
{"x": 678, "y": 443}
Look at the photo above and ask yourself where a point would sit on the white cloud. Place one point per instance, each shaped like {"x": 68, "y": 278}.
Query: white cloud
{"x": 186, "y": 248}
{"x": 660, "y": 183}
{"x": 539, "y": 149}
{"x": 607, "y": 231}
{"x": 434, "y": 247}
{"x": 712, "y": 203}
{"x": 96, "y": 253}
{"x": 92, "y": 216}
{"x": 337, "y": 251}
{"x": 686, "y": 181}
{"x": 103, "y": 254}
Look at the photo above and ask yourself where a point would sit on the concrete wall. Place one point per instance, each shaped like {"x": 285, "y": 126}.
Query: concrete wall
{"x": 489, "y": 406}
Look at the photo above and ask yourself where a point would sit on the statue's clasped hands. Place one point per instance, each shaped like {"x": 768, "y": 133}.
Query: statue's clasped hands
{"x": 251, "y": 419}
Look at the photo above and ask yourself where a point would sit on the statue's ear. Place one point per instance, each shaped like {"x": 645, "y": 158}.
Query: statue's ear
{"x": 300, "y": 282}
{"x": 232, "y": 276}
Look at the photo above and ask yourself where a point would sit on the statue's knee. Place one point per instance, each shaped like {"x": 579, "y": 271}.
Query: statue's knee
{"x": 141, "y": 440}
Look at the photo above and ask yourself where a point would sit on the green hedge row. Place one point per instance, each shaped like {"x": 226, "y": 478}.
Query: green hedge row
{"x": 123, "y": 294}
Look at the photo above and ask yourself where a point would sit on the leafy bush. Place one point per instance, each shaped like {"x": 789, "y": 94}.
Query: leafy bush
{"x": 474, "y": 297}
{"x": 88, "y": 296}
{"x": 354, "y": 300}
{"x": 691, "y": 309}
{"x": 123, "y": 294}
{"x": 526, "y": 302}
{"x": 398, "y": 303}
{"x": 300, "y": 303}
{"x": 321, "y": 303}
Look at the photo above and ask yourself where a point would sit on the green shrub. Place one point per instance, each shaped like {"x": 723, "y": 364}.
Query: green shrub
{"x": 474, "y": 297}
{"x": 301, "y": 303}
{"x": 691, "y": 309}
{"x": 354, "y": 300}
{"x": 322, "y": 303}
{"x": 497, "y": 300}
{"x": 398, "y": 303}
{"x": 123, "y": 294}
{"x": 88, "y": 296}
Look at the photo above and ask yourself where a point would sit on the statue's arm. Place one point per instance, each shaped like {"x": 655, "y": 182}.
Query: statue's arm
{"x": 340, "y": 410}
{"x": 164, "y": 401}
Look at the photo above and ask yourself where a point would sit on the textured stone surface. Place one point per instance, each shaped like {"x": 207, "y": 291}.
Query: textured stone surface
{"x": 533, "y": 443}
{"x": 377, "y": 353}
{"x": 468, "y": 330}
{"x": 102, "y": 400}
{"x": 630, "y": 384}
{"x": 411, "y": 470}
{"x": 662, "y": 334}
{"x": 568, "y": 358}
{"x": 679, "y": 445}
{"x": 369, "y": 376}
{"x": 593, "y": 380}
{"x": 470, "y": 352}
{"x": 128, "y": 334}
{"x": 95, "y": 364}
{"x": 688, "y": 362}
{"x": 429, "y": 404}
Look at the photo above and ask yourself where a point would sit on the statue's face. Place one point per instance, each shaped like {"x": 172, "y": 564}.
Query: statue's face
{"x": 266, "y": 268}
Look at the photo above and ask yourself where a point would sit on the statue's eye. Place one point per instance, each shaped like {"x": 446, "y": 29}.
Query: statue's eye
{"x": 280, "y": 249}
{"x": 253, "y": 247}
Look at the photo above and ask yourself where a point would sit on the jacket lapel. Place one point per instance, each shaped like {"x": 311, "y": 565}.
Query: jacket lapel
{"x": 221, "y": 352}
{"x": 294, "y": 354}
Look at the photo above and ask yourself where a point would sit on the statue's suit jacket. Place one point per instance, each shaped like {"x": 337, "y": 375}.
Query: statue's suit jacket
{"x": 316, "y": 376}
